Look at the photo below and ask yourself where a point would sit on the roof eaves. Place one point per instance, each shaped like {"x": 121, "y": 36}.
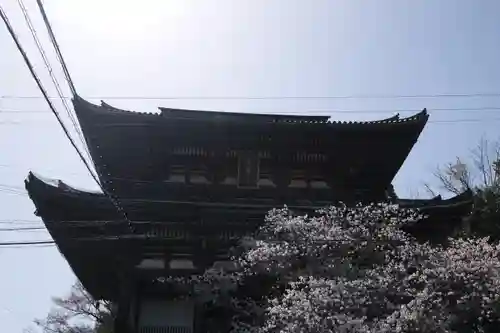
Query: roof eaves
{"x": 111, "y": 108}
{"x": 421, "y": 116}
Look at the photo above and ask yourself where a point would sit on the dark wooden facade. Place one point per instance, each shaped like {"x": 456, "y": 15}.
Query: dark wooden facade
{"x": 100, "y": 246}
{"x": 219, "y": 156}
{"x": 192, "y": 183}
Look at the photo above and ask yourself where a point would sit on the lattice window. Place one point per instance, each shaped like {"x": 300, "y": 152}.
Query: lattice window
{"x": 165, "y": 329}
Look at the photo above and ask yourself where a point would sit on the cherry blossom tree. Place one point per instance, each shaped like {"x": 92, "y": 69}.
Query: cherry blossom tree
{"x": 479, "y": 171}
{"x": 356, "y": 270}
{"x": 78, "y": 312}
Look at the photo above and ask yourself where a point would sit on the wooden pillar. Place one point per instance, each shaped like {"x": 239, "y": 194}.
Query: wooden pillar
{"x": 215, "y": 165}
{"x": 281, "y": 171}
{"x": 124, "y": 320}
{"x": 199, "y": 317}
{"x": 248, "y": 169}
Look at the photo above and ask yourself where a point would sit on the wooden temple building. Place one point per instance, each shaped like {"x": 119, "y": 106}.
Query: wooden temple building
{"x": 189, "y": 184}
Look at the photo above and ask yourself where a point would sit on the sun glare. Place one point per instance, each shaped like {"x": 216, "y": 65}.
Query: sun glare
{"x": 126, "y": 19}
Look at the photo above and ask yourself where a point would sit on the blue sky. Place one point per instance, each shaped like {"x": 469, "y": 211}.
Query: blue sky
{"x": 239, "y": 48}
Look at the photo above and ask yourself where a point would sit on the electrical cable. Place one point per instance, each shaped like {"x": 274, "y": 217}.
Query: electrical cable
{"x": 51, "y": 72}
{"x": 26, "y": 243}
{"x": 22, "y": 229}
{"x": 3, "y": 247}
{"x": 57, "y": 48}
{"x": 451, "y": 121}
{"x": 74, "y": 93}
{"x": 54, "y": 111}
{"x": 20, "y": 221}
{"x": 318, "y": 112}
{"x": 319, "y": 97}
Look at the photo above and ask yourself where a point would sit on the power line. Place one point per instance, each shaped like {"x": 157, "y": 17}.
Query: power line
{"x": 56, "y": 47}
{"x": 23, "y": 229}
{"x": 50, "y": 70}
{"x": 14, "y": 193}
{"x": 25, "y": 111}
{"x": 12, "y": 190}
{"x": 307, "y": 112}
{"x": 83, "y": 239}
{"x": 450, "y": 121}
{"x": 19, "y": 221}
{"x": 360, "y": 96}
{"x": 91, "y": 239}
{"x": 470, "y": 120}
{"x": 74, "y": 93}
{"x": 42, "y": 89}
{"x": 26, "y": 243}
{"x": 114, "y": 238}
{"x": 13, "y": 187}
{"x": 3, "y": 247}
{"x": 17, "y": 167}
{"x": 54, "y": 111}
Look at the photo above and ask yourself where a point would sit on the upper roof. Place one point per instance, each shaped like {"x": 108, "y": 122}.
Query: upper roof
{"x": 83, "y": 106}
{"x": 127, "y": 144}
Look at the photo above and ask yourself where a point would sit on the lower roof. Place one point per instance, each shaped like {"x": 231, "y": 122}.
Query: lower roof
{"x": 98, "y": 261}
{"x": 38, "y": 186}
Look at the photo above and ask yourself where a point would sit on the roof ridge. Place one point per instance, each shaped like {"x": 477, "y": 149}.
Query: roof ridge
{"x": 188, "y": 114}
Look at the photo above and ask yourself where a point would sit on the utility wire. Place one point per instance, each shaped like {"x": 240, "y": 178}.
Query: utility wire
{"x": 23, "y": 229}
{"x": 19, "y": 221}
{"x": 51, "y": 72}
{"x": 65, "y": 224}
{"x": 13, "y": 187}
{"x": 450, "y": 121}
{"x": 360, "y": 96}
{"x": 3, "y": 247}
{"x": 321, "y": 113}
{"x": 83, "y": 239}
{"x": 113, "y": 238}
{"x": 14, "y": 193}
{"x": 74, "y": 93}
{"x": 313, "y": 112}
{"x": 17, "y": 167}
{"x": 12, "y": 190}
{"x": 26, "y": 243}
{"x": 42, "y": 89}
{"x": 56, "y": 47}
{"x": 54, "y": 111}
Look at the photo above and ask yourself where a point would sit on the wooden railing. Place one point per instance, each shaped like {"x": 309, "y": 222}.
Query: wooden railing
{"x": 165, "y": 329}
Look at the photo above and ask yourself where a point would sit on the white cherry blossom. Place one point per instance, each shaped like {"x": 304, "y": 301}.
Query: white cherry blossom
{"x": 355, "y": 270}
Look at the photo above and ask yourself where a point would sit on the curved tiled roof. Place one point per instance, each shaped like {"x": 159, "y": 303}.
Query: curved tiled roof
{"x": 465, "y": 197}
{"x": 421, "y": 116}
{"x": 170, "y": 113}
{"x": 109, "y": 107}
{"x": 184, "y": 114}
